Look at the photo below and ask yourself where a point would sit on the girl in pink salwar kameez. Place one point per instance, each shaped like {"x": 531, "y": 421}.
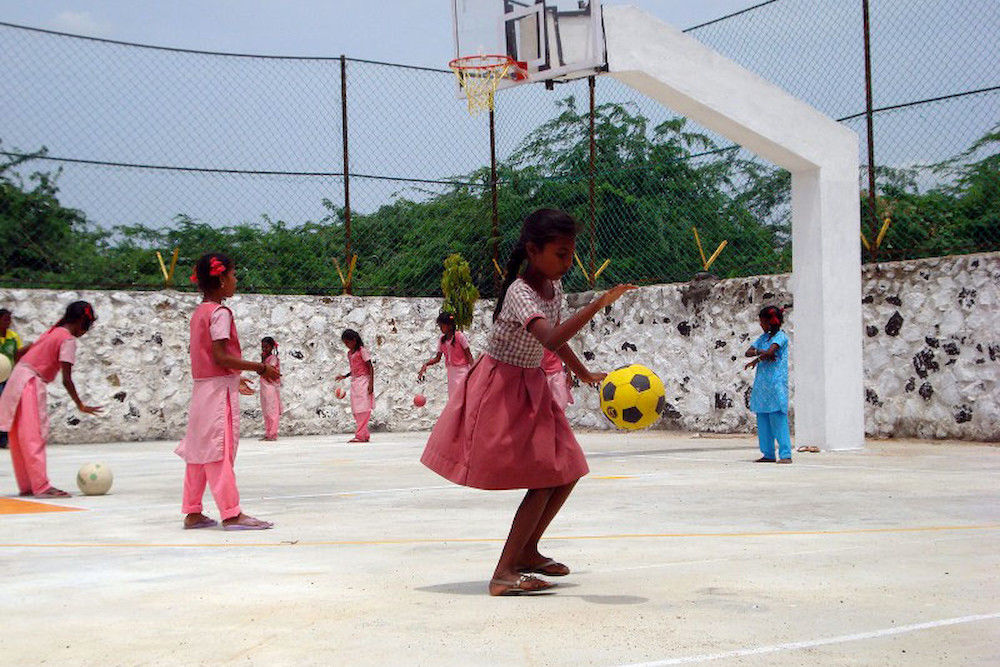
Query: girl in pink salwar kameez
{"x": 362, "y": 376}
{"x": 213, "y": 431}
{"x": 23, "y": 411}
{"x": 270, "y": 391}
{"x": 454, "y": 347}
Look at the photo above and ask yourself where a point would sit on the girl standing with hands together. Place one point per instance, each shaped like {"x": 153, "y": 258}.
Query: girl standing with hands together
{"x": 362, "y": 376}
{"x": 23, "y": 409}
{"x": 502, "y": 429}
{"x": 270, "y": 390}
{"x": 213, "y": 431}
{"x": 769, "y": 396}
{"x": 454, "y": 347}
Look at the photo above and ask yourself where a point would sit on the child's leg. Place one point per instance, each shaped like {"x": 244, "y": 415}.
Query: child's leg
{"x": 362, "y": 432}
{"x": 521, "y": 530}
{"x": 529, "y": 554}
{"x": 780, "y": 430}
{"x": 20, "y": 472}
{"x": 221, "y": 475}
{"x": 765, "y": 439}
{"x": 27, "y": 448}
{"x": 194, "y": 488}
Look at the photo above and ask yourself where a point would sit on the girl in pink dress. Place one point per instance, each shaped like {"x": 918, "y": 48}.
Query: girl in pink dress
{"x": 454, "y": 347}
{"x": 23, "y": 409}
{"x": 362, "y": 376}
{"x": 270, "y": 392}
{"x": 502, "y": 429}
{"x": 213, "y": 431}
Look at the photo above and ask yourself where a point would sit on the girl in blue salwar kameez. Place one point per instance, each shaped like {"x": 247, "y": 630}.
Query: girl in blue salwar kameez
{"x": 769, "y": 397}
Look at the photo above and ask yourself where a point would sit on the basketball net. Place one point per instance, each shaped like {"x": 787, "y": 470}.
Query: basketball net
{"x": 478, "y": 77}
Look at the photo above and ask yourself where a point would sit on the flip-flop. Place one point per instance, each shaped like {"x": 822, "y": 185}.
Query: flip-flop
{"x": 814, "y": 449}
{"x": 261, "y": 525}
{"x": 518, "y": 587}
{"x": 546, "y": 568}
{"x": 803, "y": 448}
{"x": 204, "y": 523}
{"x": 52, "y": 492}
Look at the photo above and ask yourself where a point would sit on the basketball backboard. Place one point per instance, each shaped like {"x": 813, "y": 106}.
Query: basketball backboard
{"x": 558, "y": 40}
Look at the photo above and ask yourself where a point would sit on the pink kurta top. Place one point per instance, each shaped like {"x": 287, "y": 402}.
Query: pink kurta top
{"x": 358, "y": 360}
{"x": 453, "y": 350}
{"x": 272, "y": 360}
{"x": 49, "y": 351}
{"x": 41, "y": 364}
{"x": 214, "y": 387}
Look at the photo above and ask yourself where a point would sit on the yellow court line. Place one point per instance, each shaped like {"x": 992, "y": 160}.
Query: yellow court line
{"x": 456, "y": 540}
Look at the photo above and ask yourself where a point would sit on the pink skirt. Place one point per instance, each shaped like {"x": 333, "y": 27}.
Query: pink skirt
{"x": 560, "y": 392}
{"x": 502, "y": 430}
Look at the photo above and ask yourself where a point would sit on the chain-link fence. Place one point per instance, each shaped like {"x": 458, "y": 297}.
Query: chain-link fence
{"x": 113, "y": 152}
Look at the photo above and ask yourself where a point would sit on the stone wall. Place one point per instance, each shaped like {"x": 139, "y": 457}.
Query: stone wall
{"x": 932, "y": 353}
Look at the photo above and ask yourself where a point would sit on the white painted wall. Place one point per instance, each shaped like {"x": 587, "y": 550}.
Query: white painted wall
{"x": 822, "y": 156}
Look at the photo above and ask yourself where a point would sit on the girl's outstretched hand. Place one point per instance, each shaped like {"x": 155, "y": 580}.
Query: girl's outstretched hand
{"x": 91, "y": 409}
{"x": 270, "y": 373}
{"x": 614, "y": 294}
{"x": 592, "y": 378}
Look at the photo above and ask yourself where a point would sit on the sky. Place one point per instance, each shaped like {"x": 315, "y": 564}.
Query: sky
{"x": 416, "y": 32}
{"x": 98, "y": 101}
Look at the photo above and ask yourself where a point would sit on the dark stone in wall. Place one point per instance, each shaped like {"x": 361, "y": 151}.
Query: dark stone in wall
{"x": 911, "y": 384}
{"x": 684, "y": 328}
{"x": 871, "y": 331}
{"x": 932, "y": 342}
{"x": 951, "y": 349}
{"x": 872, "y": 397}
{"x": 120, "y": 396}
{"x": 967, "y": 298}
{"x": 923, "y": 363}
{"x": 588, "y": 355}
{"x": 628, "y": 346}
{"x": 868, "y": 299}
{"x": 296, "y": 354}
{"x": 722, "y": 401}
{"x": 894, "y": 300}
{"x": 963, "y": 413}
{"x": 926, "y": 391}
{"x": 894, "y": 324}
{"x": 719, "y": 344}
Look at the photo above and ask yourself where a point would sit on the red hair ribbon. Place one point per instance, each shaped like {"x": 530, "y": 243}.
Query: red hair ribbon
{"x": 194, "y": 276}
{"x": 89, "y": 313}
{"x": 216, "y": 268}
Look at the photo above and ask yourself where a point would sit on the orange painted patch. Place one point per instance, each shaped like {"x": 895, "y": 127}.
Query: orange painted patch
{"x": 18, "y": 506}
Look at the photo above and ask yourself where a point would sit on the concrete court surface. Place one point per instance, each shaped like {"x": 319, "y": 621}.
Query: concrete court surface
{"x": 683, "y": 552}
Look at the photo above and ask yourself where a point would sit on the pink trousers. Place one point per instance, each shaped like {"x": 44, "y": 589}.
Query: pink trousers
{"x": 270, "y": 406}
{"x": 362, "y": 433}
{"x": 27, "y": 446}
{"x": 220, "y": 477}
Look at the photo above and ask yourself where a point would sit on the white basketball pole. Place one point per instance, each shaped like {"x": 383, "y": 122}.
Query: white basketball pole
{"x": 822, "y": 156}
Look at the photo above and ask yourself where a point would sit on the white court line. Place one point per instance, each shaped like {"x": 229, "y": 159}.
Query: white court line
{"x": 795, "y": 646}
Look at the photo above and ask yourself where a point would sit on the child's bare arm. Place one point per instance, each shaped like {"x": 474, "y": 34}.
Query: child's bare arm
{"x": 371, "y": 377}
{"x": 67, "y": 379}
{"x": 222, "y": 357}
{"x": 576, "y": 366}
{"x": 555, "y": 337}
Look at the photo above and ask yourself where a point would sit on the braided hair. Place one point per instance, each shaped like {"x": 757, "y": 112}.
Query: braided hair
{"x": 774, "y": 317}
{"x": 447, "y": 319}
{"x": 541, "y": 227}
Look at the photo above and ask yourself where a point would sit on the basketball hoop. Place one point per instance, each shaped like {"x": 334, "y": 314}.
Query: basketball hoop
{"x": 478, "y": 77}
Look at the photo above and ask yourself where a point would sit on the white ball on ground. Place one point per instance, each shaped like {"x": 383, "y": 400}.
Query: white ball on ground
{"x": 94, "y": 479}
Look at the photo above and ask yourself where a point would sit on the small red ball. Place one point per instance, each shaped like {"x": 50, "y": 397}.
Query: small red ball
{"x": 339, "y": 393}
{"x": 419, "y": 400}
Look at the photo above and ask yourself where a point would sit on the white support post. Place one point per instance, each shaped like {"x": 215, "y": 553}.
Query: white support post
{"x": 822, "y": 155}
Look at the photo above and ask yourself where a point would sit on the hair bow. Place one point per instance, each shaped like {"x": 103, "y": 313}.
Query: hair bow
{"x": 194, "y": 276}
{"x": 216, "y": 268}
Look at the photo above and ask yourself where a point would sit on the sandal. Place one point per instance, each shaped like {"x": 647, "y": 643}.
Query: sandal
{"x": 245, "y": 522}
{"x": 548, "y": 567}
{"x": 52, "y": 492}
{"x": 524, "y": 584}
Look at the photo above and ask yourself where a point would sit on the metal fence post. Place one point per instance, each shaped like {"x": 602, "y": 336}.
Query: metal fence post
{"x": 872, "y": 209}
{"x": 591, "y": 81}
{"x": 347, "y": 170}
{"x": 493, "y": 196}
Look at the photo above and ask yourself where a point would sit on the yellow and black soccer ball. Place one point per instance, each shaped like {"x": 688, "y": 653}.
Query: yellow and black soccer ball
{"x": 632, "y": 397}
